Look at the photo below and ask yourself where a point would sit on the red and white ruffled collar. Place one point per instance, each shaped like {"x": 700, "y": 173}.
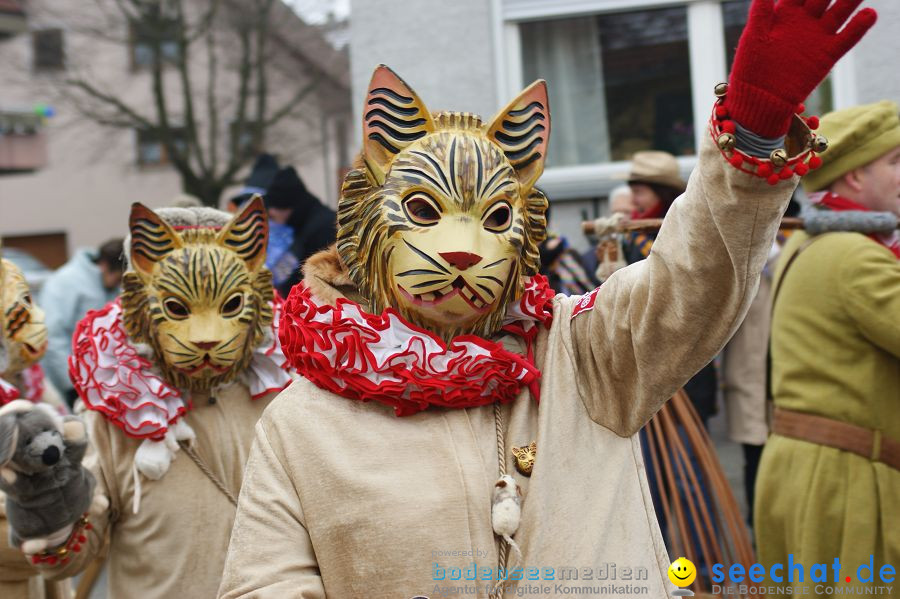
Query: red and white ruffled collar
{"x": 383, "y": 358}
{"x": 114, "y": 379}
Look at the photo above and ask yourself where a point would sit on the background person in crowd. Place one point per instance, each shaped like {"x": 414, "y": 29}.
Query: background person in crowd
{"x": 608, "y": 248}
{"x": 829, "y": 479}
{"x": 562, "y": 265}
{"x": 621, "y": 200}
{"x": 264, "y": 170}
{"x": 655, "y": 181}
{"x": 299, "y": 227}
{"x": 88, "y": 281}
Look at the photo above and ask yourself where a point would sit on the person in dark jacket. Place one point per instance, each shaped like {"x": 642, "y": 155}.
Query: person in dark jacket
{"x": 299, "y": 226}
{"x": 258, "y": 181}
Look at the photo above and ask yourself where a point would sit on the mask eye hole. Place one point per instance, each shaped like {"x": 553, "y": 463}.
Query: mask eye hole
{"x": 233, "y": 305}
{"x": 175, "y": 309}
{"x": 499, "y": 218}
{"x": 421, "y": 210}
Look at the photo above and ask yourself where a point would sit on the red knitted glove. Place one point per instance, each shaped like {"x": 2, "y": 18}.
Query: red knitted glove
{"x": 786, "y": 50}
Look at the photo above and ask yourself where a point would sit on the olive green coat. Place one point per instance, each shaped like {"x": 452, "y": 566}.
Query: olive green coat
{"x": 835, "y": 353}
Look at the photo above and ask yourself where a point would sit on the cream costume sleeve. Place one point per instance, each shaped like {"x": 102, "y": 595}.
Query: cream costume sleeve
{"x": 264, "y": 507}
{"x": 654, "y": 324}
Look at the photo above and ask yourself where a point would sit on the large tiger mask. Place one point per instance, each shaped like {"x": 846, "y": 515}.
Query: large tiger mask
{"x": 440, "y": 219}
{"x": 200, "y": 297}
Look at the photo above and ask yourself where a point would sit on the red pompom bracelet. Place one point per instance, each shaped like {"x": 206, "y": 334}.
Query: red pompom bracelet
{"x": 797, "y": 158}
{"x": 62, "y": 555}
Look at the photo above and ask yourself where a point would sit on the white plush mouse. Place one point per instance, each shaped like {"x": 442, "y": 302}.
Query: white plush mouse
{"x": 506, "y": 510}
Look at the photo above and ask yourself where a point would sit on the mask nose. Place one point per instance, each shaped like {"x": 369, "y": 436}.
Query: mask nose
{"x": 50, "y": 455}
{"x": 460, "y": 260}
{"x": 206, "y": 345}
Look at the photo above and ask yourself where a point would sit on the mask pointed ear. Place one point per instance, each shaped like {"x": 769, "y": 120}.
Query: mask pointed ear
{"x": 151, "y": 238}
{"x": 522, "y": 131}
{"x": 393, "y": 118}
{"x": 248, "y": 233}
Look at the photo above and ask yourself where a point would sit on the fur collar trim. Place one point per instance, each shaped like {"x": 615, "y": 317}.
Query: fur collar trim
{"x": 328, "y": 279}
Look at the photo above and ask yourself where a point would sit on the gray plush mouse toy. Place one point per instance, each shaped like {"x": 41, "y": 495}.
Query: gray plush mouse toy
{"x": 47, "y": 489}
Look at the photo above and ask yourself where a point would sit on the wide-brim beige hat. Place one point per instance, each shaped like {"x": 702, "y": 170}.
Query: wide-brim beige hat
{"x": 655, "y": 167}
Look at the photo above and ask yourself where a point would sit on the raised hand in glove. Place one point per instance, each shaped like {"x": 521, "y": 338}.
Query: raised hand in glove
{"x": 786, "y": 50}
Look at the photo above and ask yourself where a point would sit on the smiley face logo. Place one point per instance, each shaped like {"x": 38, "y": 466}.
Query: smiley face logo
{"x": 682, "y": 572}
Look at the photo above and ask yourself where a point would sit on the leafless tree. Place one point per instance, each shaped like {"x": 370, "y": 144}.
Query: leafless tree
{"x": 210, "y": 65}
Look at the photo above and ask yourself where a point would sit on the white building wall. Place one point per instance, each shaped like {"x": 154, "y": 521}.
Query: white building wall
{"x": 876, "y": 60}
{"x": 443, "y": 50}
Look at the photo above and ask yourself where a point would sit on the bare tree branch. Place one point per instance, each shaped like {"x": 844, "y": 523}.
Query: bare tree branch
{"x": 289, "y": 105}
{"x": 187, "y": 91}
{"x": 262, "y": 85}
{"x": 212, "y": 106}
{"x": 112, "y": 101}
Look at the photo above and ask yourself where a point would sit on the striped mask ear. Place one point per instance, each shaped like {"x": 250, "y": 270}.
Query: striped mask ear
{"x": 151, "y": 238}
{"x": 247, "y": 234}
{"x": 393, "y": 118}
{"x": 522, "y": 131}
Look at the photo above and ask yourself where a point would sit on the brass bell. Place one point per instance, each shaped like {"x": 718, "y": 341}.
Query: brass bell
{"x": 820, "y": 144}
{"x": 778, "y": 157}
{"x": 721, "y": 89}
{"x": 726, "y": 142}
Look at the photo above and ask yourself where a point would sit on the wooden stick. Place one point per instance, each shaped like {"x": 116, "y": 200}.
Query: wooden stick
{"x": 653, "y": 224}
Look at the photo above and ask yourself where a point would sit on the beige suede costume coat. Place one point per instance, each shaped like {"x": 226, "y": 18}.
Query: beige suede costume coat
{"x": 343, "y": 499}
{"x": 174, "y": 547}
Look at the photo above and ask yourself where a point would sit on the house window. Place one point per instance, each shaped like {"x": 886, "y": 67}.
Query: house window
{"x": 734, "y": 16}
{"x": 619, "y": 83}
{"x": 150, "y": 148}
{"x": 48, "y": 49}
{"x": 144, "y": 38}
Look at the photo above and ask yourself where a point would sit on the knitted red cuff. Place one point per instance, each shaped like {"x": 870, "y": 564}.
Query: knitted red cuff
{"x": 758, "y": 110}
